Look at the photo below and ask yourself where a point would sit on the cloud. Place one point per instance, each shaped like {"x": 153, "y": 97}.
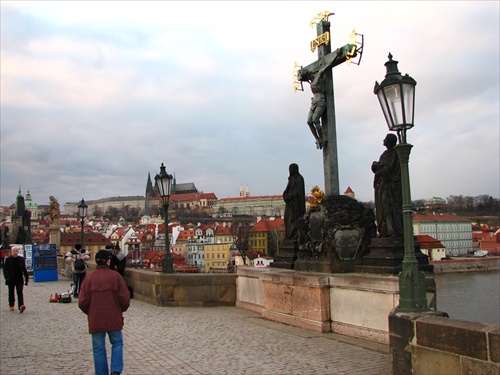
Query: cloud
{"x": 96, "y": 95}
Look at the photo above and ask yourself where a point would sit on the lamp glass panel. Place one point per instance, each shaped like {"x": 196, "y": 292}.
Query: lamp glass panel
{"x": 395, "y": 103}
{"x": 409, "y": 102}
{"x": 164, "y": 184}
{"x": 82, "y": 209}
{"x": 385, "y": 109}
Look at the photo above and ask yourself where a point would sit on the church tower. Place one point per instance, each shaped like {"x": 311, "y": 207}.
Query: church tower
{"x": 20, "y": 207}
{"x": 150, "y": 193}
{"x": 350, "y": 193}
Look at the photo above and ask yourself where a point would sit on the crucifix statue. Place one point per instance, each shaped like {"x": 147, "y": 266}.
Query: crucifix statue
{"x": 321, "y": 117}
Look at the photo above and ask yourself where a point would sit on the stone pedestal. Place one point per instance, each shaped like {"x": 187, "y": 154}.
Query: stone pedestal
{"x": 55, "y": 234}
{"x": 287, "y": 254}
{"x": 328, "y": 263}
{"x": 386, "y": 257}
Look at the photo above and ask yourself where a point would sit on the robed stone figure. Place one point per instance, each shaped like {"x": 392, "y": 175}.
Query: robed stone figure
{"x": 295, "y": 202}
{"x": 388, "y": 195}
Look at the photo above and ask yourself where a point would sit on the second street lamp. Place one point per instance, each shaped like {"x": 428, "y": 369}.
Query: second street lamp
{"x": 396, "y": 94}
{"x": 164, "y": 185}
{"x": 82, "y": 212}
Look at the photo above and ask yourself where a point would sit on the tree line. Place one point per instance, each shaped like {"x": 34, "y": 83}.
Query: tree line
{"x": 480, "y": 204}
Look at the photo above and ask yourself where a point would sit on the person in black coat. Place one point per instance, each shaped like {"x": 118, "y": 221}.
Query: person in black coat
{"x": 118, "y": 261}
{"x": 15, "y": 274}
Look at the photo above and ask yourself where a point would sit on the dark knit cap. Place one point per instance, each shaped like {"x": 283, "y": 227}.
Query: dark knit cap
{"x": 102, "y": 257}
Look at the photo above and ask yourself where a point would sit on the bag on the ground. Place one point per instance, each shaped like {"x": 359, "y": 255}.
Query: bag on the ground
{"x": 80, "y": 265}
{"x": 64, "y": 297}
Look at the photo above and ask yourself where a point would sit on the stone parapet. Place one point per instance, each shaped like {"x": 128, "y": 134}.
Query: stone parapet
{"x": 431, "y": 343}
{"x": 178, "y": 290}
{"x": 355, "y": 305}
{"x": 467, "y": 265}
{"x": 181, "y": 290}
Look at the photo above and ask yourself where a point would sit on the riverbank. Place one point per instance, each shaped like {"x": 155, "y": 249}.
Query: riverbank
{"x": 466, "y": 264}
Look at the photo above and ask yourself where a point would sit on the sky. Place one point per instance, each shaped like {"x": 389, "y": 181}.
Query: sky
{"x": 95, "y": 95}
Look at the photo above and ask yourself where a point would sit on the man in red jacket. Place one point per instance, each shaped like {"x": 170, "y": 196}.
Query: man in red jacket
{"x": 104, "y": 297}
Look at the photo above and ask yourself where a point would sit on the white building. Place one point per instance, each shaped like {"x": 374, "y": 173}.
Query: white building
{"x": 263, "y": 261}
{"x": 454, "y": 232}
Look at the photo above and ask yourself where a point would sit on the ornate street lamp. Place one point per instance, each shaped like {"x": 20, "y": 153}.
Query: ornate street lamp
{"x": 82, "y": 212}
{"x": 396, "y": 94}
{"x": 164, "y": 184}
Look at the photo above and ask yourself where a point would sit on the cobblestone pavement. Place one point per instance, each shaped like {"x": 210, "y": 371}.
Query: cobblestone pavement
{"x": 52, "y": 338}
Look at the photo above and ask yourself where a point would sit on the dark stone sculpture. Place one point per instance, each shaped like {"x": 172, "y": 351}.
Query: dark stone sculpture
{"x": 388, "y": 195}
{"x": 387, "y": 250}
{"x": 295, "y": 208}
{"x": 295, "y": 202}
{"x": 335, "y": 235}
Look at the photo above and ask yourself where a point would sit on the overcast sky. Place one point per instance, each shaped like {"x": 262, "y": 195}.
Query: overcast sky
{"x": 94, "y": 95}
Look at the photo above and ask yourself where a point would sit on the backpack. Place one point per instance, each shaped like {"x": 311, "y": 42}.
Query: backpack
{"x": 80, "y": 265}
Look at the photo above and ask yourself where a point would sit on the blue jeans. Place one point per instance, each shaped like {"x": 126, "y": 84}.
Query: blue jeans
{"x": 77, "y": 280}
{"x": 99, "y": 349}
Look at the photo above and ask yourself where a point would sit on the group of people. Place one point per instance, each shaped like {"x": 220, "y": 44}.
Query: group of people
{"x": 73, "y": 257}
{"x": 102, "y": 295}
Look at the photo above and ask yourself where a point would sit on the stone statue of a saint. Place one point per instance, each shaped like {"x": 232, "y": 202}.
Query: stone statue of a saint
{"x": 54, "y": 210}
{"x": 295, "y": 202}
{"x": 388, "y": 194}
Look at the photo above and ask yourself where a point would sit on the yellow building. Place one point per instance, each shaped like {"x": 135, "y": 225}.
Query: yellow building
{"x": 219, "y": 254}
{"x": 266, "y": 235}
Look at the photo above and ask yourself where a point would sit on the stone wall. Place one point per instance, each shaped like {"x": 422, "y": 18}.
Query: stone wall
{"x": 355, "y": 305}
{"x": 180, "y": 290}
{"x": 192, "y": 289}
{"x": 466, "y": 265}
{"x": 430, "y": 343}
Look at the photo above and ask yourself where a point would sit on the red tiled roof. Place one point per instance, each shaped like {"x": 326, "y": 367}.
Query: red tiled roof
{"x": 188, "y": 197}
{"x": 89, "y": 239}
{"x": 221, "y": 230}
{"x": 280, "y": 197}
{"x": 266, "y": 225}
{"x": 185, "y": 234}
{"x": 492, "y": 239}
{"x": 428, "y": 242}
{"x": 438, "y": 217}
{"x": 208, "y": 196}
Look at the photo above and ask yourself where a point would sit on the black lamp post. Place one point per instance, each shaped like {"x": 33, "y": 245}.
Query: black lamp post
{"x": 82, "y": 212}
{"x": 164, "y": 184}
{"x": 396, "y": 94}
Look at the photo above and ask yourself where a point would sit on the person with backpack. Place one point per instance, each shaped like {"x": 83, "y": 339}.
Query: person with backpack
{"x": 77, "y": 257}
